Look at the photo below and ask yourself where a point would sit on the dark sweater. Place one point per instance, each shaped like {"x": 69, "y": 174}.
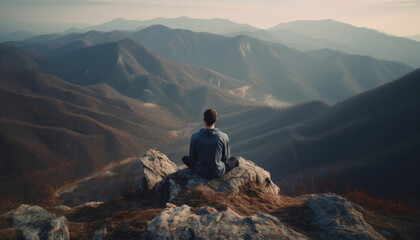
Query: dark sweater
{"x": 209, "y": 148}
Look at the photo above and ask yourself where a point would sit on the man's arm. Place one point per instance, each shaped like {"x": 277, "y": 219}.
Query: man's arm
{"x": 193, "y": 154}
{"x": 226, "y": 150}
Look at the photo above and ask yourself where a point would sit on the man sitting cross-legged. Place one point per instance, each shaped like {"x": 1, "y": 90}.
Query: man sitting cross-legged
{"x": 209, "y": 150}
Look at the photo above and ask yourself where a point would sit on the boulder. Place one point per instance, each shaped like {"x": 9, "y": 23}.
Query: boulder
{"x": 156, "y": 166}
{"x": 160, "y": 173}
{"x": 37, "y": 223}
{"x": 338, "y": 218}
{"x": 208, "y": 223}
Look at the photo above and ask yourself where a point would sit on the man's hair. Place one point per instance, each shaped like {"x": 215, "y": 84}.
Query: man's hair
{"x": 210, "y": 117}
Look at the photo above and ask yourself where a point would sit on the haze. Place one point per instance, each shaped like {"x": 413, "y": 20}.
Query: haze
{"x": 398, "y": 17}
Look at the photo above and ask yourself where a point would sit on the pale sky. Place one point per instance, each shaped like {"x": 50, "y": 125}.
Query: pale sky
{"x": 399, "y": 17}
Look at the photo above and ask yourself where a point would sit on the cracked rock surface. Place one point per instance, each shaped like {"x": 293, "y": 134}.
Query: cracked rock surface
{"x": 185, "y": 222}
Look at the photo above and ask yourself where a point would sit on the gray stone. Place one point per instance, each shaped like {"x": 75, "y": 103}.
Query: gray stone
{"x": 62, "y": 208}
{"x": 178, "y": 179}
{"x": 58, "y": 229}
{"x": 37, "y": 223}
{"x": 386, "y": 233}
{"x": 337, "y": 218}
{"x": 156, "y": 166}
{"x": 88, "y": 205}
{"x": 208, "y": 223}
{"x": 99, "y": 234}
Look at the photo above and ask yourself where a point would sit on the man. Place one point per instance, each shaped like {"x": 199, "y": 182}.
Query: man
{"x": 209, "y": 150}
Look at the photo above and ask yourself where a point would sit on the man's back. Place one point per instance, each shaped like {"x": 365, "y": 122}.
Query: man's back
{"x": 209, "y": 148}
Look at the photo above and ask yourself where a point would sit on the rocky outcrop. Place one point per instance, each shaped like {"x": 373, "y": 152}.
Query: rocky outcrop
{"x": 36, "y": 223}
{"x": 185, "y": 222}
{"x": 162, "y": 175}
{"x": 156, "y": 166}
{"x": 338, "y": 218}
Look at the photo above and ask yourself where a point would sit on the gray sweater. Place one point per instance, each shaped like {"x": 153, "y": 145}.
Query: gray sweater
{"x": 209, "y": 148}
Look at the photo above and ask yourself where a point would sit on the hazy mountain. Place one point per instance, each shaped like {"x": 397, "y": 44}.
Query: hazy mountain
{"x": 373, "y": 43}
{"x": 216, "y": 25}
{"x": 286, "y": 73}
{"x": 17, "y": 36}
{"x": 7, "y": 27}
{"x": 415, "y": 37}
{"x": 137, "y": 72}
{"x": 52, "y": 131}
{"x": 370, "y": 140}
{"x": 289, "y": 75}
{"x": 18, "y": 57}
{"x": 297, "y": 41}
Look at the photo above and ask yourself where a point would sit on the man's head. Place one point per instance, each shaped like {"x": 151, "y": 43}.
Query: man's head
{"x": 210, "y": 117}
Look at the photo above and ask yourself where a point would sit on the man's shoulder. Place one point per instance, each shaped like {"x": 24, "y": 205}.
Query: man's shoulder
{"x": 222, "y": 135}
{"x": 195, "y": 135}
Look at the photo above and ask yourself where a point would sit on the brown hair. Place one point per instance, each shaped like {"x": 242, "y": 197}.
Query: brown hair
{"x": 210, "y": 117}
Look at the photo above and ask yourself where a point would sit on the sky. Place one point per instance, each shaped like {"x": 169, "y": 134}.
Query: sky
{"x": 398, "y": 17}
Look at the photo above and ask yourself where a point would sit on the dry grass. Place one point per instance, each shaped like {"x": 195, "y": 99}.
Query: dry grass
{"x": 402, "y": 227}
{"x": 396, "y": 207}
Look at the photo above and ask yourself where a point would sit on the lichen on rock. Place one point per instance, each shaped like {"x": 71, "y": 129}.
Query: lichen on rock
{"x": 185, "y": 222}
{"x": 156, "y": 166}
{"x": 35, "y": 223}
{"x": 338, "y": 218}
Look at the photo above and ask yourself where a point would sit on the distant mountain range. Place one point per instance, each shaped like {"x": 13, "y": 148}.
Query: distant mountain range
{"x": 414, "y": 37}
{"x": 289, "y": 75}
{"x": 301, "y": 35}
{"x": 216, "y": 25}
{"x": 309, "y": 35}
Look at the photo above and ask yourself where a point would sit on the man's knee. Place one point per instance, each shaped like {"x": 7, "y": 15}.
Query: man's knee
{"x": 188, "y": 161}
{"x": 231, "y": 164}
{"x": 234, "y": 161}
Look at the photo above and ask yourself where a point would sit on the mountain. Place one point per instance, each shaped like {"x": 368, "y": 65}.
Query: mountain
{"x": 137, "y": 72}
{"x": 285, "y": 73}
{"x": 17, "y": 36}
{"x": 290, "y": 76}
{"x": 216, "y": 25}
{"x": 53, "y": 131}
{"x": 415, "y": 37}
{"x": 299, "y": 42}
{"x": 371, "y": 42}
{"x": 21, "y": 58}
{"x": 370, "y": 140}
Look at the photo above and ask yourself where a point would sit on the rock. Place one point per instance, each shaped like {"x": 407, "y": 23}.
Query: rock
{"x": 37, "y": 223}
{"x": 62, "y": 208}
{"x": 88, "y": 204}
{"x": 156, "y": 166}
{"x": 178, "y": 179}
{"x": 207, "y": 223}
{"x": 247, "y": 172}
{"x": 99, "y": 234}
{"x": 387, "y": 234}
{"x": 58, "y": 229}
{"x": 337, "y": 218}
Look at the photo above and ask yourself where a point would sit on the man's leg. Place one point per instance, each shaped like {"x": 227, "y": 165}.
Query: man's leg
{"x": 188, "y": 161}
{"x": 231, "y": 164}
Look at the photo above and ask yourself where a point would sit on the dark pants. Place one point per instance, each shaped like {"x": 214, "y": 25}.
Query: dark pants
{"x": 229, "y": 164}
